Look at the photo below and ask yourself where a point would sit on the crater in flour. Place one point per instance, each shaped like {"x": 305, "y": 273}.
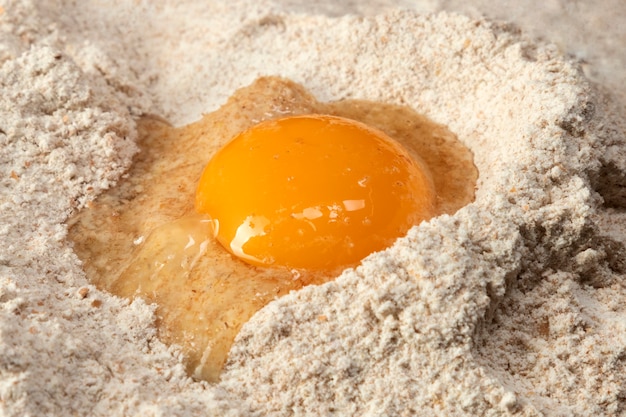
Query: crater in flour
{"x": 139, "y": 238}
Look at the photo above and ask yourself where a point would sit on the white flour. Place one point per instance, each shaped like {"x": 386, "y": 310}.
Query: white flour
{"x": 513, "y": 306}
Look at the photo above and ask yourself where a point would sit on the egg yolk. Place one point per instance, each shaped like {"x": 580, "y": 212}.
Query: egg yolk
{"x": 313, "y": 192}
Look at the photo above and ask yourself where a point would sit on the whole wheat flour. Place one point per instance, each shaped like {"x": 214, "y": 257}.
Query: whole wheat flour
{"x": 515, "y": 305}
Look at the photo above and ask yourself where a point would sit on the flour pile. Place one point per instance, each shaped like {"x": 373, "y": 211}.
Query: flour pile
{"x": 513, "y": 306}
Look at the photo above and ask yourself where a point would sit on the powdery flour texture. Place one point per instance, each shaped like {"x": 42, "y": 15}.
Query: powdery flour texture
{"x": 513, "y": 306}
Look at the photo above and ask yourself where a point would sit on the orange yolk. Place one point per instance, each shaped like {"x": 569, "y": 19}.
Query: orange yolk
{"x": 314, "y": 192}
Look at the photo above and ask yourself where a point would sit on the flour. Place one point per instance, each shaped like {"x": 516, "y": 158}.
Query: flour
{"x": 513, "y": 306}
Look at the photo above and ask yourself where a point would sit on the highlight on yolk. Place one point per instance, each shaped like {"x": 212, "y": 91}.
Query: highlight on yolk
{"x": 313, "y": 192}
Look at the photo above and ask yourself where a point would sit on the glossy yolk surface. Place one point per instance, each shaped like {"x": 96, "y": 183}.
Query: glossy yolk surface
{"x": 313, "y": 192}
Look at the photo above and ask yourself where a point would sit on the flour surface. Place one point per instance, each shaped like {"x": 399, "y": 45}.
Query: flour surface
{"x": 515, "y": 305}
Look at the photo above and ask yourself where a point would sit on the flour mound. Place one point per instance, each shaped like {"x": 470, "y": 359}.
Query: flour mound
{"x": 512, "y": 306}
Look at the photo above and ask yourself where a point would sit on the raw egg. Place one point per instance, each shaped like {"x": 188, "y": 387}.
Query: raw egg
{"x": 313, "y": 192}
{"x": 271, "y": 192}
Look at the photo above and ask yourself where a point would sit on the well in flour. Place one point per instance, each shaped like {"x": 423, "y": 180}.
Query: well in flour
{"x": 144, "y": 238}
